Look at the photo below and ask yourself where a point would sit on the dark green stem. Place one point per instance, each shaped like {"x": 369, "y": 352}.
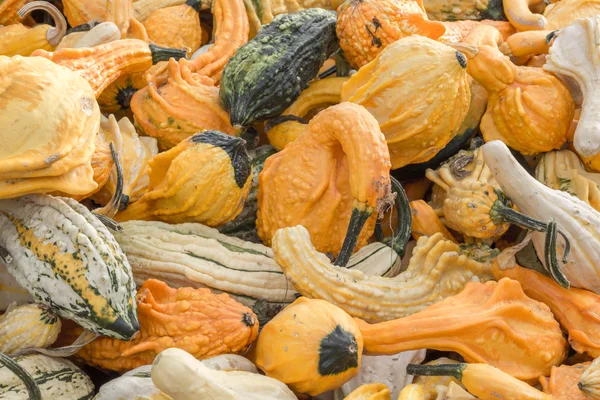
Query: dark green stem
{"x": 32, "y": 388}
{"x": 273, "y": 122}
{"x": 454, "y": 370}
{"x": 357, "y": 221}
{"x": 195, "y": 4}
{"x": 164, "y": 54}
{"x": 403, "y": 218}
{"x": 500, "y": 213}
{"x": 83, "y": 27}
{"x": 342, "y": 67}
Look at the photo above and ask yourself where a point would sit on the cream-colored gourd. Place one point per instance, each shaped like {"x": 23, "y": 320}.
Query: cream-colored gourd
{"x": 179, "y": 375}
{"x": 102, "y": 33}
{"x": 563, "y": 170}
{"x": 575, "y": 53}
{"x": 589, "y": 383}
{"x": 436, "y": 270}
{"x": 579, "y": 222}
{"x": 27, "y": 326}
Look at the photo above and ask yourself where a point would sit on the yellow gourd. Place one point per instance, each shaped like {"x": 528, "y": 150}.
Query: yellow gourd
{"x": 370, "y": 391}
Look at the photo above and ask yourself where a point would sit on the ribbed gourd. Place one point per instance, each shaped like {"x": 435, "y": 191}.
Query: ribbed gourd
{"x": 50, "y": 120}
{"x": 493, "y": 323}
{"x": 68, "y": 260}
{"x": 366, "y": 27}
{"x": 52, "y": 378}
{"x": 528, "y": 108}
{"x": 589, "y": 383}
{"x": 256, "y": 82}
{"x": 563, "y": 170}
{"x": 27, "y": 326}
{"x": 337, "y": 190}
{"x": 437, "y": 269}
{"x": 134, "y": 153}
{"x": 205, "y": 179}
{"x": 187, "y": 104}
{"x": 418, "y": 91}
{"x": 18, "y": 39}
{"x": 324, "y": 342}
{"x": 196, "y": 320}
{"x": 9, "y": 11}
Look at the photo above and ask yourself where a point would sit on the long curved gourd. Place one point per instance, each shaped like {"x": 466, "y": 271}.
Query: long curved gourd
{"x": 195, "y": 320}
{"x": 319, "y": 94}
{"x": 563, "y": 170}
{"x": 563, "y": 382}
{"x": 323, "y": 341}
{"x": 185, "y": 105}
{"x": 484, "y": 381}
{"x": 206, "y": 178}
{"x": 293, "y": 45}
{"x": 134, "y": 152}
{"x": 573, "y": 53}
{"x": 179, "y": 374}
{"x": 366, "y": 27}
{"x": 527, "y": 43}
{"x": 589, "y": 383}
{"x": 437, "y": 270}
{"x": 37, "y": 377}
{"x": 63, "y": 255}
{"x": 48, "y": 137}
{"x": 27, "y": 326}
{"x": 17, "y": 39}
{"x": 341, "y": 169}
{"x": 577, "y": 310}
{"x": 176, "y": 27}
{"x": 519, "y": 99}
{"x": 492, "y": 323}
{"x": 518, "y": 12}
{"x": 401, "y": 89}
{"x": 103, "y": 64}
{"x": 539, "y": 201}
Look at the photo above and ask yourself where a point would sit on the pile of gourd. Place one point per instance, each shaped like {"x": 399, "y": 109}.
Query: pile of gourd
{"x": 264, "y": 199}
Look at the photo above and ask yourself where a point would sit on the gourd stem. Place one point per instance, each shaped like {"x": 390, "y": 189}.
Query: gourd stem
{"x": 500, "y": 213}
{"x": 164, "y": 54}
{"x": 83, "y": 27}
{"x": 55, "y": 34}
{"x": 195, "y": 4}
{"x": 342, "y": 67}
{"x": 357, "y": 221}
{"x": 32, "y": 388}
{"x": 454, "y": 370}
{"x": 105, "y": 213}
{"x": 403, "y": 218}
{"x": 328, "y": 72}
{"x": 273, "y": 122}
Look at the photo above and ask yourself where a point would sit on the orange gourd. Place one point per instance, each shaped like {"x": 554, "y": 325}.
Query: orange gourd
{"x": 425, "y": 221}
{"x": 563, "y": 380}
{"x": 195, "y": 320}
{"x": 9, "y": 11}
{"x": 176, "y": 27}
{"x": 187, "y": 104}
{"x": 121, "y": 13}
{"x": 81, "y": 12}
{"x": 366, "y": 27}
{"x": 493, "y": 323}
{"x": 103, "y": 64}
{"x": 340, "y": 181}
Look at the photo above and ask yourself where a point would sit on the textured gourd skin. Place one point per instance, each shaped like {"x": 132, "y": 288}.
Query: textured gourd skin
{"x": 179, "y": 374}
{"x": 340, "y": 164}
{"x": 176, "y": 27}
{"x": 564, "y": 171}
{"x": 437, "y": 270}
{"x": 26, "y": 326}
{"x": 103, "y": 64}
{"x": 57, "y": 378}
{"x": 68, "y": 260}
{"x": 455, "y": 10}
{"x": 458, "y": 30}
{"x": 366, "y": 27}
{"x": 293, "y": 45}
{"x": 418, "y": 91}
{"x": 563, "y": 13}
{"x": 195, "y": 320}
{"x": 492, "y": 323}
{"x": 563, "y": 382}
{"x": 589, "y": 383}
{"x": 186, "y": 105}
{"x": 9, "y": 10}
{"x": 323, "y": 341}
{"x": 134, "y": 153}
{"x": 79, "y": 13}
{"x": 18, "y": 39}
{"x": 573, "y": 54}
{"x": 425, "y": 221}
{"x": 370, "y": 391}
{"x": 528, "y": 109}
{"x": 577, "y": 310}
{"x": 121, "y": 13}
{"x": 205, "y": 179}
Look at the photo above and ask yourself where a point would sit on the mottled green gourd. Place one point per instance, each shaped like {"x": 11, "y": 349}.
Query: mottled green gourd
{"x": 268, "y": 73}
{"x": 69, "y": 261}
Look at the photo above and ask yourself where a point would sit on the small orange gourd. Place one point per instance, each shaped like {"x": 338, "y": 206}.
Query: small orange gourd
{"x": 176, "y": 27}
{"x": 103, "y": 64}
{"x": 336, "y": 190}
{"x": 195, "y": 320}
{"x": 425, "y": 221}
{"x": 493, "y": 323}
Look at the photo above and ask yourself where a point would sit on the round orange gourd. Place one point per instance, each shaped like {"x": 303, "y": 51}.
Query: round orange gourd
{"x": 312, "y": 346}
{"x": 176, "y": 27}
